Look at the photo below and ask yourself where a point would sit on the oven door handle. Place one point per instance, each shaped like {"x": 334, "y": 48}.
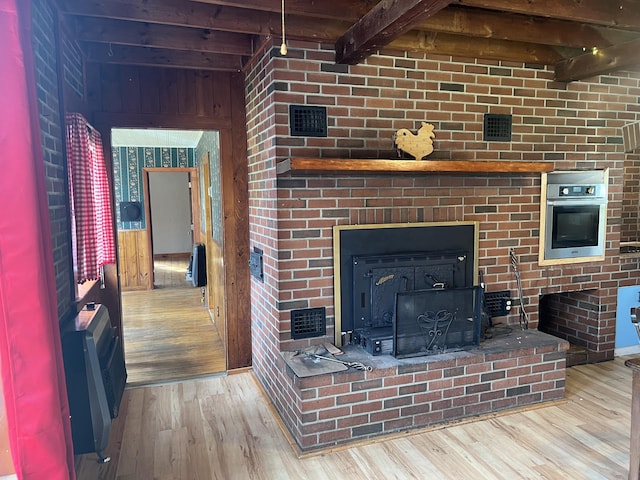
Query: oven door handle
{"x": 576, "y": 203}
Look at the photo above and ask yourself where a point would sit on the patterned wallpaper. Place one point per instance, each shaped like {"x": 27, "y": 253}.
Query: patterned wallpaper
{"x": 128, "y": 163}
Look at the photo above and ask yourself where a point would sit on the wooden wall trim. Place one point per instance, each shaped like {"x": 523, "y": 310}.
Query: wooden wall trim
{"x": 142, "y": 120}
{"x": 128, "y": 97}
{"x": 236, "y": 240}
{"x": 147, "y": 229}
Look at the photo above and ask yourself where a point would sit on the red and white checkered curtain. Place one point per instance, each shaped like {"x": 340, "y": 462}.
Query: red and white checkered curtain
{"x": 92, "y": 227}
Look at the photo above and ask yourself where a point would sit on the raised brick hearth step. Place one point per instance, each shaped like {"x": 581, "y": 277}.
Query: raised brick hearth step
{"x": 509, "y": 371}
{"x": 577, "y": 355}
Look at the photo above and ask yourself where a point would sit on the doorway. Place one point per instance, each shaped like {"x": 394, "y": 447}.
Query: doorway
{"x": 168, "y": 331}
{"x": 172, "y": 209}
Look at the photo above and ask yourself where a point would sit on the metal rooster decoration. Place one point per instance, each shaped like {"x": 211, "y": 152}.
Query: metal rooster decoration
{"x": 417, "y": 145}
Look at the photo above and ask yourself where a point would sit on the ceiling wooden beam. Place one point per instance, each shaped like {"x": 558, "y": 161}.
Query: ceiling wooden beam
{"x": 156, "y": 57}
{"x": 475, "y": 22}
{"x": 466, "y": 28}
{"x": 189, "y": 14}
{"x": 599, "y": 62}
{"x": 200, "y": 15}
{"x": 120, "y": 32}
{"x": 382, "y": 24}
{"x": 613, "y": 13}
{"x": 456, "y": 20}
{"x": 330, "y": 9}
{"x": 444, "y": 44}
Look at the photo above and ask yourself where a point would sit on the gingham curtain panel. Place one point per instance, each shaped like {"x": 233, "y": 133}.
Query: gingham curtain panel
{"x": 92, "y": 228}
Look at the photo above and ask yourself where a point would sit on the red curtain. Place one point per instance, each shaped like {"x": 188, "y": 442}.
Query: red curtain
{"x": 93, "y": 241}
{"x": 30, "y": 349}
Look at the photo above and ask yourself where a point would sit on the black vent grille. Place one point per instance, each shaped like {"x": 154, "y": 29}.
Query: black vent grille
{"x": 307, "y": 121}
{"x": 308, "y": 322}
{"x": 498, "y": 304}
{"x": 497, "y": 128}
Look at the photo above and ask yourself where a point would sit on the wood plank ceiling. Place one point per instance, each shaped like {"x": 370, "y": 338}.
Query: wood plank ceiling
{"x": 580, "y": 38}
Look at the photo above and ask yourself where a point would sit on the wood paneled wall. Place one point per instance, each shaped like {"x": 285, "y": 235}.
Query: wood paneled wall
{"x": 146, "y": 97}
{"x": 159, "y": 97}
{"x": 133, "y": 260}
{"x": 215, "y": 285}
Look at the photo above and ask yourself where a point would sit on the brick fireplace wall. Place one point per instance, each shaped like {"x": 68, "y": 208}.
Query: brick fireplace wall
{"x": 577, "y": 316}
{"x": 576, "y": 125}
{"x": 630, "y": 229}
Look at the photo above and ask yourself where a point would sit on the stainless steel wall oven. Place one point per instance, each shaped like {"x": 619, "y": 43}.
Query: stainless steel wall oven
{"x": 574, "y": 216}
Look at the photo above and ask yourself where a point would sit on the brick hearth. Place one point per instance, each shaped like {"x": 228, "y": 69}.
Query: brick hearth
{"x": 514, "y": 370}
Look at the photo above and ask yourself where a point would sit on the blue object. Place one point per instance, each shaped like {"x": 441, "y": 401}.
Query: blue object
{"x": 626, "y": 334}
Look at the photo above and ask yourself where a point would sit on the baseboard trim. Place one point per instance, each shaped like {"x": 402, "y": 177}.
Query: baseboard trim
{"x": 174, "y": 256}
{"x": 621, "y": 352}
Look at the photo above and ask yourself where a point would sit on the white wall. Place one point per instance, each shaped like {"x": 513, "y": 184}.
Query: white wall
{"x": 170, "y": 212}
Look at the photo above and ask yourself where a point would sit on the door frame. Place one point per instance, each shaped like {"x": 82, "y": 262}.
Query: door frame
{"x": 195, "y": 210}
{"x": 229, "y": 119}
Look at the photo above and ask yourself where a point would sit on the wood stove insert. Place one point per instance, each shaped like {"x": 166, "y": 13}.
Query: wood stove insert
{"x": 377, "y": 265}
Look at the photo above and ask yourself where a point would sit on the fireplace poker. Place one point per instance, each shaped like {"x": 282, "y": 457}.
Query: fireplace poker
{"x": 356, "y": 365}
{"x": 524, "y": 318}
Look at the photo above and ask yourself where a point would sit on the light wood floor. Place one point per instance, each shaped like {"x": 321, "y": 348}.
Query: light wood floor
{"x": 168, "y": 333}
{"x": 169, "y": 271}
{"x": 222, "y": 428}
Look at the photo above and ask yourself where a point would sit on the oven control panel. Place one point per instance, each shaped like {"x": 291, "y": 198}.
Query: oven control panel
{"x": 575, "y": 191}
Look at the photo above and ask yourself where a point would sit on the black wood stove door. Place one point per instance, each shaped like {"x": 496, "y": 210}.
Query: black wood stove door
{"x": 377, "y": 279}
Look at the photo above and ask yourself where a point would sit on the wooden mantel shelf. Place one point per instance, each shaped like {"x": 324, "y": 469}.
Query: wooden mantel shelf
{"x": 319, "y": 165}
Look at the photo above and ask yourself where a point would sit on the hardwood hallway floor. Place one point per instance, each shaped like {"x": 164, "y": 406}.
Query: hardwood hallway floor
{"x": 168, "y": 333}
{"x": 223, "y": 428}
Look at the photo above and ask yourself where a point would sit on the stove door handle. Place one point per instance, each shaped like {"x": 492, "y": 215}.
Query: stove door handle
{"x": 575, "y": 203}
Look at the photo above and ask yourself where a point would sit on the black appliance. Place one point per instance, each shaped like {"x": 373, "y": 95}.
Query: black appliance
{"x": 95, "y": 376}
{"x": 376, "y": 341}
{"x": 198, "y": 266}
